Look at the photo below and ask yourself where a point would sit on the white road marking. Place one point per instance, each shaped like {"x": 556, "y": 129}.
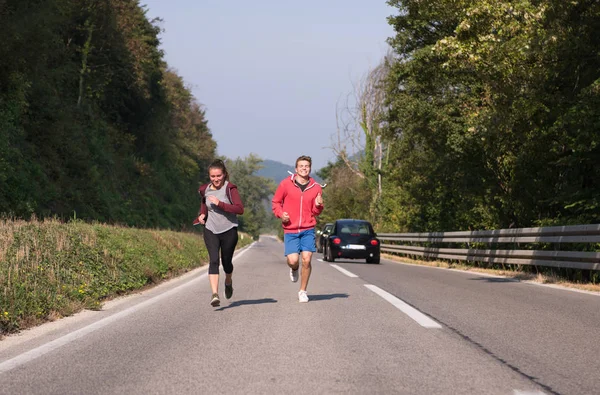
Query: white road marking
{"x": 517, "y": 392}
{"x": 410, "y": 311}
{"x": 61, "y": 341}
{"x": 346, "y": 272}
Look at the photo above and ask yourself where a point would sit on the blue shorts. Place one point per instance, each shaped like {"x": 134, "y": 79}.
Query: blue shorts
{"x": 295, "y": 243}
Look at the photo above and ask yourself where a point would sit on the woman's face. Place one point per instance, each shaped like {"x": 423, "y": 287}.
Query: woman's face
{"x": 217, "y": 177}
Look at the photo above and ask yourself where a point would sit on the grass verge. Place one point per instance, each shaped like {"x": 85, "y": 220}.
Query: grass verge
{"x": 50, "y": 269}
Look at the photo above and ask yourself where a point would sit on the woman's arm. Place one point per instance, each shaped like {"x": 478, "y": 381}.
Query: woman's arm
{"x": 236, "y": 206}
{"x": 203, "y": 209}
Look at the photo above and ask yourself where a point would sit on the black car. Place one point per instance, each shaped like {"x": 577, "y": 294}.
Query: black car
{"x": 321, "y": 235}
{"x": 353, "y": 239}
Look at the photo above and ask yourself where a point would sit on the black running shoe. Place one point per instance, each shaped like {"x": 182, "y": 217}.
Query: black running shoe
{"x": 228, "y": 290}
{"x": 215, "y": 301}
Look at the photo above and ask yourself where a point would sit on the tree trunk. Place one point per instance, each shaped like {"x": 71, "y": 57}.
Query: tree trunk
{"x": 87, "y": 48}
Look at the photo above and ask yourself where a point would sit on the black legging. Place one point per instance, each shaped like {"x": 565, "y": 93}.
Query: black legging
{"x": 225, "y": 242}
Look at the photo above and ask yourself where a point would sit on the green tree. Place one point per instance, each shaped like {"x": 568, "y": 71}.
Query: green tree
{"x": 92, "y": 121}
{"x": 358, "y": 142}
{"x": 255, "y": 192}
{"x": 347, "y": 195}
{"x": 488, "y": 103}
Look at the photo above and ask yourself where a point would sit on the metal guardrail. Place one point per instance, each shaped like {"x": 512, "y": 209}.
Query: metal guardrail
{"x": 585, "y": 234}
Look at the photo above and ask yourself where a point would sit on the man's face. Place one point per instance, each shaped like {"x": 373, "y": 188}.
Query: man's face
{"x": 303, "y": 168}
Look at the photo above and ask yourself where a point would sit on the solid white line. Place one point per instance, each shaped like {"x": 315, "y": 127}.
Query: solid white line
{"x": 346, "y": 272}
{"x": 517, "y": 392}
{"x": 410, "y": 311}
{"x": 61, "y": 341}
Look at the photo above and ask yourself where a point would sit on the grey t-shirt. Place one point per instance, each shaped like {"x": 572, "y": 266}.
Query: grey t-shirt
{"x": 219, "y": 221}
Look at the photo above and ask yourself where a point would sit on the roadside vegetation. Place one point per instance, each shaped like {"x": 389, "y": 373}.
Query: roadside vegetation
{"x": 50, "y": 269}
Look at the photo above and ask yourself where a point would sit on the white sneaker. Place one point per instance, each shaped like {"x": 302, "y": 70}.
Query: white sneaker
{"x": 294, "y": 275}
{"x": 302, "y": 297}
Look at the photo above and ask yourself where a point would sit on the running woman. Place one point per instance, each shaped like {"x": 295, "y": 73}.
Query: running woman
{"x": 219, "y": 208}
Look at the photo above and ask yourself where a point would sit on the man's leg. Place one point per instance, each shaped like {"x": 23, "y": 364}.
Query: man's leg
{"x": 306, "y": 269}
{"x": 307, "y": 246}
{"x": 293, "y": 261}
{"x": 292, "y": 249}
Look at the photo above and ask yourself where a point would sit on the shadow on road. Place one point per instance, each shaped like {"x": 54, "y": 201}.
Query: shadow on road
{"x": 496, "y": 279}
{"x": 349, "y": 261}
{"x": 326, "y": 296}
{"x": 245, "y": 302}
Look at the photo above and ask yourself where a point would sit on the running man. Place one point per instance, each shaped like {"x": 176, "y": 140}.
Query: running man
{"x": 298, "y": 200}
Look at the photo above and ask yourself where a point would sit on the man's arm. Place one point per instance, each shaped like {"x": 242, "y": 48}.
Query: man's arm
{"x": 318, "y": 206}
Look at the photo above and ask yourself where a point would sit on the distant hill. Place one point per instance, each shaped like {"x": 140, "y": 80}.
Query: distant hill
{"x": 277, "y": 171}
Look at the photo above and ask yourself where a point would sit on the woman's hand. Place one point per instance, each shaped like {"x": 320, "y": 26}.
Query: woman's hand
{"x": 202, "y": 219}
{"x": 213, "y": 200}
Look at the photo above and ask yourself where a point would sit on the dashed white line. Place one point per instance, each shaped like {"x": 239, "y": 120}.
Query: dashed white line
{"x": 346, "y": 272}
{"x": 517, "y": 392}
{"x": 413, "y": 313}
{"x": 410, "y": 311}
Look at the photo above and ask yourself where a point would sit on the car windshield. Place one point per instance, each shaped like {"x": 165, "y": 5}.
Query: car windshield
{"x": 354, "y": 228}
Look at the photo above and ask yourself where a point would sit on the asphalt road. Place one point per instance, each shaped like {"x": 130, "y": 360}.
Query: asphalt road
{"x": 390, "y": 328}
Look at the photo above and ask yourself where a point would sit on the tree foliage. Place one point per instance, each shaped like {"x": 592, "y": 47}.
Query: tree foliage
{"x": 255, "y": 192}
{"x": 359, "y": 142}
{"x": 491, "y": 117}
{"x": 92, "y": 120}
{"x": 347, "y": 194}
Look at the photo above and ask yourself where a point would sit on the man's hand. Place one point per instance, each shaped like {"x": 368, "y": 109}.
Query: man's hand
{"x": 202, "y": 219}
{"x": 285, "y": 217}
{"x": 319, "y": 200}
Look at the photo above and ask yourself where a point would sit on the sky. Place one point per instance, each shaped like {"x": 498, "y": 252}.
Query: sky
{"x": 270, "y": 73}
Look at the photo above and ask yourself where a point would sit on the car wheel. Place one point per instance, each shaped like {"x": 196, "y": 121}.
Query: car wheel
{"x": 373, "y": 260}
{"x": 330, "y": 256}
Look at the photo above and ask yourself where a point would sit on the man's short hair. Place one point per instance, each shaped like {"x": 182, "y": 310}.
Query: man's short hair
{"x": 304, "y": 157}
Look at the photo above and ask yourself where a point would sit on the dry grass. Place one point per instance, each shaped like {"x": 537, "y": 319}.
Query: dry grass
{"x": 514, "y": 274}
{"x": 50, "y": 269}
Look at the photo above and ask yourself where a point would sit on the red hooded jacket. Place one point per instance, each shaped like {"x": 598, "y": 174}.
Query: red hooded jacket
{"x": 299, "y": 205}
